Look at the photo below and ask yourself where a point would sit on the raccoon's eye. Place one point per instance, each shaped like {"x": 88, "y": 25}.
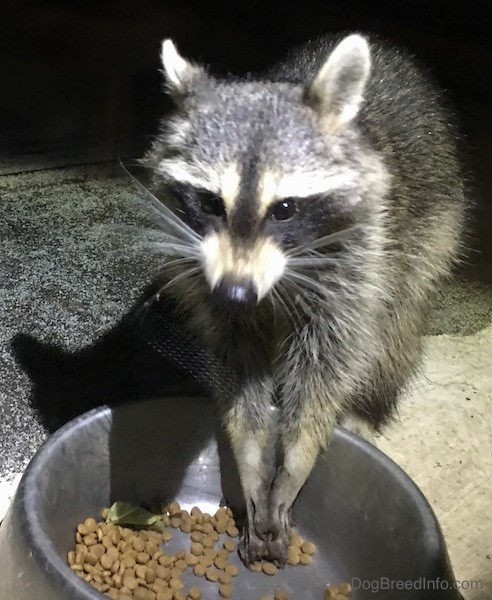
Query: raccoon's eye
{"x": 283, "y": 210}
{"x": 211, "y": 203}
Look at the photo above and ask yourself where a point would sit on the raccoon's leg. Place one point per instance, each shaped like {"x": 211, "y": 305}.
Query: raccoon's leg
{"x": 249, "y": 434}
{"x": 300, "y": 453}
{"x": 305, "y": 430}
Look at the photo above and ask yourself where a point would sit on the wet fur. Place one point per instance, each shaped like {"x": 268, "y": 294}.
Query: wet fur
{"x": 348, "y": 345}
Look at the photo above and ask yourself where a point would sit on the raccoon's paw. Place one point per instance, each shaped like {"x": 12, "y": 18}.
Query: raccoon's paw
{"x": 273, "y": 548}
{"x": 253, "y": 549}
{"x": 277, "y": 550}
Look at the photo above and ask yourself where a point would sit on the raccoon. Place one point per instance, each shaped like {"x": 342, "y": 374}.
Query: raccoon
{"x": 314, "y": 210}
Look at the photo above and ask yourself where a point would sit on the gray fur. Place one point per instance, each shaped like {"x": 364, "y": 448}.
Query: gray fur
{"x": 343, "y": 337}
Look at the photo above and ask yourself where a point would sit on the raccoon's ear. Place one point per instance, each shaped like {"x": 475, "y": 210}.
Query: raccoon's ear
{"x": 337, "y": 90}
{"x": 181, "y": 75}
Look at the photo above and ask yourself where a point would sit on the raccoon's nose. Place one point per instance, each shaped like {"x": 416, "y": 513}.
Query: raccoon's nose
{"x": 236, "y": 294}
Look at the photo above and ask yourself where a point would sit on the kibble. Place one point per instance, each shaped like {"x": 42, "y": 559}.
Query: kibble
{"x": 200, "y": 570}
{"x": 207, "y": 527}
{"x": 150, "y": 576}
{"x": 185, "y": 526}
{"x": 232, "y": 570}
{"x": 220, "y": 563}
{"x": 166, "y": 536}
{"x": 165, "y": 560}
{"x": 127, "y": 564}
{"x": 191, "y": 559}
{"x": 196, "y": 536}
{"x": 337, "y": 592}
{"x": 225, "y": 590}
{"x": 344, "y": 589}
{"x": 308, "y": 548}
{"x": 106, "y": 561}
{"x": 293, "y": 555}
{"x": 221, "y": 526}
{"x": 206, "y": 560}
{"x": 225, "y": 578}
{"x": 142, "y": 558}
{"x": 197, "y": 548}
{"x": 232, "y": 531}
{"x": 130, "y": 582}
{"x": 138, "y": 544}
{"x": 268, "y": 568}
{"x": 223, "y": 553}
{"x": 175, "y": 522}
{"x": 211, "y": 574}
{"x": 176, "y": 584}
{"x": 208, "y": 542}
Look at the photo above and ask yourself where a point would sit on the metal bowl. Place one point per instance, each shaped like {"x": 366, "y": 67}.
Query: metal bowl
{"x": 371, "y": 524}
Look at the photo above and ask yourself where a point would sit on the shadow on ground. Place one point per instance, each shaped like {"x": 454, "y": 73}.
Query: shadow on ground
{"x": 120, "y": 367}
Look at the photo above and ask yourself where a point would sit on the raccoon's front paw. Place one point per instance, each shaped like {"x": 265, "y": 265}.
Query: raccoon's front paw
{"x": 273, "y": 548}
{"x": 253, "y": 549}
{"x": 277, "y": 550}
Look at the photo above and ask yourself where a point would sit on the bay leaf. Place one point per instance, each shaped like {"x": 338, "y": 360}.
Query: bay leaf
{"x": 126, "y": 513}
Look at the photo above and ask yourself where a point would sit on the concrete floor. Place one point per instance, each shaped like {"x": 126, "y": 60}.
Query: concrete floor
{"x": 442, "y": 439}
{"x": 442, "y": 436}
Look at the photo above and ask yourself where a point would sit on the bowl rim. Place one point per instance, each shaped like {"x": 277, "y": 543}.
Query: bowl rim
{"x": 43, "y": 551}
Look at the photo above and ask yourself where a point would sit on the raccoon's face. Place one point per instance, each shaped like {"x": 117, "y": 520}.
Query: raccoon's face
{"x": 259, "y": 169}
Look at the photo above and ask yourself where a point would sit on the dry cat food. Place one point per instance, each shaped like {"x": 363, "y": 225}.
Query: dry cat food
{"x": 122, "y": 557}
{"x": 337, "y": 592}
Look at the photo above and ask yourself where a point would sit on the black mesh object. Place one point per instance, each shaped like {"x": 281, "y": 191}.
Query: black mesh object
{"x": 162, "y": 331}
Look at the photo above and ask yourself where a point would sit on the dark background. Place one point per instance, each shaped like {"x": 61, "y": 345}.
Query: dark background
{"x": 80, "y": 80}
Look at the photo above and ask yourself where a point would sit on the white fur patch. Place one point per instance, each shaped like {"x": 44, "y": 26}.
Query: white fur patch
{"x": 183, "y": 172}
{"x": 230, "y": 182}
{"x": 301, "y": 185}
{"x": 264, "y": 264}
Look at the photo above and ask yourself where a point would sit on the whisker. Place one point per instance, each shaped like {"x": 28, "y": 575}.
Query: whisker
{"x": 178, "y": 277}
{"x": 279, "y": 298}
{"x": 166, "y": 213}
{"x": 314, "y": 285}
{"x": 274, "y": 307}
{"x": 312, "y": 262}
{"x": 287, "y": 302}
{"x": 142, "y": 311}
{"x": 182, "y": 249}
{"x": 301, "y": 294}
{"x": 165, "y": 235}
{"x": 326, "y": 240}
{"x": 169, "y": 264}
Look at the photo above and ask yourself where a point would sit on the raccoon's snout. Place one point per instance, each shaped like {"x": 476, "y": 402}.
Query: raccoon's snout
{"x": 233, "y": 294}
